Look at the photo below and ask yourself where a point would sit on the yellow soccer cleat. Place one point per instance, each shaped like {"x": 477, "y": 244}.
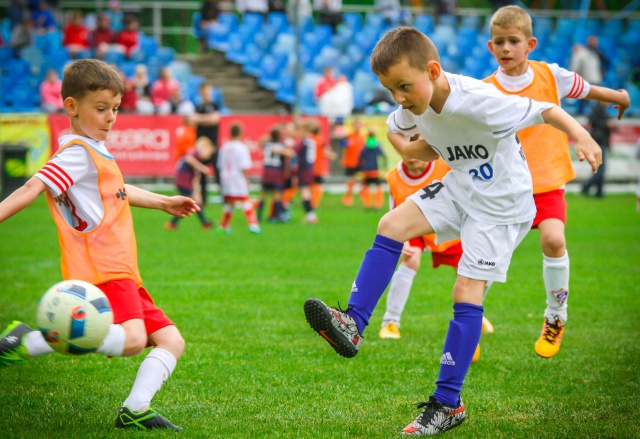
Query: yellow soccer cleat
{"x": 550, "y": 338}
{"x": 390, "y": 330}
{"x": 487, "y": 327}
{"x": 476, "y": 354}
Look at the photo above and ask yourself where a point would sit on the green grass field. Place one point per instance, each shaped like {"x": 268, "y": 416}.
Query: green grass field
{"x": 254, "y": 369}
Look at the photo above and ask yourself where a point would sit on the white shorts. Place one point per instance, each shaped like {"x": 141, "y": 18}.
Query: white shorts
{"x": 486, "y": 248}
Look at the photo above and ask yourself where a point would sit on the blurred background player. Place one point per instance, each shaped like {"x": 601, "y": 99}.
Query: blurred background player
{"x": 234, "y": 160}
{"x": 306, "y": 153}
{"x": 188, "y": 171}
{"x": 368, "y": 165}
{"x": 409, "y": 176}
{"x": 353, "y": 144}
{"x": 275, "y": 153}
{"x": 324, "y": 154}
{"x": 600, "y": 126}
{"x": 547, "y": 152}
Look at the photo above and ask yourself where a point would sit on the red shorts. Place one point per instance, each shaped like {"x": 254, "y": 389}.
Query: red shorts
{"x": 550, "y": 205}
{"x": 450, "y": 256}
{"x": 234, "y": 198}
{"x": 129, "y": 302}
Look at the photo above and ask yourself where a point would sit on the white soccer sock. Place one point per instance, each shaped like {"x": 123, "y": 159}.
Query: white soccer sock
{"x": 555, "y": 272}
{"x": 113, "y": 344}
{"x": 153, "y": 372}
{"x": 399, "y": 290}
{"x": 36, "y": 344}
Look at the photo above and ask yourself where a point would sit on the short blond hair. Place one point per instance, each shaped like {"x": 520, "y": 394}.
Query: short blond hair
{"x": 403, "y": 43}
{"x": 512, "y": 16}
{"x": 87, "y": 75}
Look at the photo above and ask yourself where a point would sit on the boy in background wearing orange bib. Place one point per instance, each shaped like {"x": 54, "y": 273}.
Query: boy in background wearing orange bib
{"x": 546, "y": 150}
{"x": 89, "y": 202}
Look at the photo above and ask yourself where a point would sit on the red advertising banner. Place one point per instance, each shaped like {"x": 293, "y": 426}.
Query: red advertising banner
{"x": 255, "y": 128}
{"x": 142, "y": 145}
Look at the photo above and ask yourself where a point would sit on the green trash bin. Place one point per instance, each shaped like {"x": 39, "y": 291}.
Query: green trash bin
{"x": 13, "y": 168}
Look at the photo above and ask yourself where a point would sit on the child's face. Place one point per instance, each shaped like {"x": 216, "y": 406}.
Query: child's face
{"x": 93, "y": 116}
{"x": 510, "y": 47}
{"x": 410, "y": 87}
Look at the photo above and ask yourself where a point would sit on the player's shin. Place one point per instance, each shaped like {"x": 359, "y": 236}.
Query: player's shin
{"x": 374, "y": 275}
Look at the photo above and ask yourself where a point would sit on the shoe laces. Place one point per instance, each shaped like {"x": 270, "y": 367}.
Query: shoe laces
{"x": 430, "y": 407}
{"x": 552, "y": 330}
{"x": 351, "y": 326}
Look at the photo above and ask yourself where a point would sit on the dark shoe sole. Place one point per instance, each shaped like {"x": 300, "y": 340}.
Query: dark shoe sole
{"x": 319, "y": 318}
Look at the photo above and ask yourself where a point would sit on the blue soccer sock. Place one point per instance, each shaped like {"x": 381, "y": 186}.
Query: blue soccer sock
{"x": 374, "y": 275}
{"x": 460, "y": 345}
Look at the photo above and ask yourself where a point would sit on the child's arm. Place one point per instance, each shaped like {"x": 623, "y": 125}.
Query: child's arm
{"x": 618, "y": 97}
{"x": 177, "y": 205}
{"x": 21, "y": 198}
{"x": 197, "y": 165}
{"x": 585, "y": 147}
{"x": 418, "y": 149}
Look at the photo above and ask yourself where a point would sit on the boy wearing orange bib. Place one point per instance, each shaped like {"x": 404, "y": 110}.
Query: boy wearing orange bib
{"x": 89, "y": 203}
{"x": 546, "y": 150}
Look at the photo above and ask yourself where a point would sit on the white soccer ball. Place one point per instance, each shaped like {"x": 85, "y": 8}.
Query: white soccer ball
{"x": 74, "y": 317}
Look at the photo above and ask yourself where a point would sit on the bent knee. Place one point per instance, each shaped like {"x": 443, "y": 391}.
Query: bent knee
{"x": 391, "y": 229}
{"x": 135, "y": 344}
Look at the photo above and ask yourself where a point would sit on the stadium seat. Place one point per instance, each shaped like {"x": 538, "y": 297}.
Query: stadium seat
{"x": 269, "y": 76}
{"x": 286, "y": 91}
{"x": 166, "y": 54}
{"x": 181, "y": 70}
{"x": 277, "y": 20}
{"x": 196, "y": 32}
{"x": 374, "y": 20}
{"x": 114, "y": 57}
{"x": 6, "y": 54}
{"x": 424, "y": 23}
{"x": 253, "y": 65}
{"x": 240, "y": 45}
{"x": 251, "y": 21}
{"x": 352, "y": 20}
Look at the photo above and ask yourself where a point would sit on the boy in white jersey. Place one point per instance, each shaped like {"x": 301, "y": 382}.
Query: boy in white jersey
{"x": 486, "y": 200}
{"x": 234, "y": 160}
{"x": 89, "y": 202}
{"x": 547, "y": 152}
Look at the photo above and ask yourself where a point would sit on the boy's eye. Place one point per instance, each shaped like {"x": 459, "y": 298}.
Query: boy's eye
{"x": 404, "y": 87}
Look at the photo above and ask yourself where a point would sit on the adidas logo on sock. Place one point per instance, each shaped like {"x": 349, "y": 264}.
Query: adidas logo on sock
{"x": 447, "y": 359}
{"x": 354, "y": 287}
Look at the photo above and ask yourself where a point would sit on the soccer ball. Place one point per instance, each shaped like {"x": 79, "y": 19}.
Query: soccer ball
{"x": 74, "y": 317}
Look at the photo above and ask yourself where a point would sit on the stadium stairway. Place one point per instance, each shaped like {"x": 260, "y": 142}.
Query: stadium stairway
{"x": 241, "y": 91}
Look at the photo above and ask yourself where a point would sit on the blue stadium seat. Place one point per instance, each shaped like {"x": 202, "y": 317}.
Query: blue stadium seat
{"x": 284, "y": 43}
{"x": 286, "y": 91}
{"x": 128, "y": 68}
{"x": 253, "y": 65}
{"x": 252, "y": 21}
{"x": 424, "y": 23}
{"x": 277, "y": 20}
{"x": 374, "y": 20}
{"x": 352, "y": 20}
{"x": 6, "y": 54}
{"x": 166, "y": 54}
{"x": 239, "y": 48}
{"x": 33, "y": 56}
{"x": 323, "y": 32}
{"x": 113, "y": 57}
{"x": 181, "y": 70}
{"x": 269, "y": 76}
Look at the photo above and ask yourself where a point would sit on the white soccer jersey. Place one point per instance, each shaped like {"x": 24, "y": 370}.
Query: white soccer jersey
{"x": 475, "y": 133}
{"x": 233, "y": 159}
{"x": 569, "y": 84}
{"x": 73, "y": 173}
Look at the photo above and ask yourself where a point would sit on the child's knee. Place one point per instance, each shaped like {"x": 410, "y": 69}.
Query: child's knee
{"x": 134, "y": 344}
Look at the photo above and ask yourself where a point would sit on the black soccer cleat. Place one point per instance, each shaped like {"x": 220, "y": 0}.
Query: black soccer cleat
{"x": 147, "y": 420}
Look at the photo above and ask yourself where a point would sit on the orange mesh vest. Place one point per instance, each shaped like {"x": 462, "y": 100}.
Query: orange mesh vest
{"x": 401, "y": 189}
{"x": 108, "y": 252}
{"x": 355, "y": 143}
{"x": 546, "y": 148}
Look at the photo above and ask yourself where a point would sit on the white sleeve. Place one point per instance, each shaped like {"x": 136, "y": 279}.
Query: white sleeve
{"x": 569, "y": 84}
{"x": 508, "y": 114}
{"x": 63, "y": 170}
{"x": 402, "y": 122}
{"x": 246, "y": 159}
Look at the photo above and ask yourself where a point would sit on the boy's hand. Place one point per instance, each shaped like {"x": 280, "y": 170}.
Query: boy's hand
{"x": 587, "y": 149}
{"x": 623, "y": 103}
{"x": 181, "y": 206}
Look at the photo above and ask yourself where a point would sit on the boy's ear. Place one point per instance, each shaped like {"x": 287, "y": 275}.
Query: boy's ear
{"x": 70, "y": 106}
{"x": 490, "y": 46}
{"x": 434, "y": 69}
{"x": 532, "y": 43}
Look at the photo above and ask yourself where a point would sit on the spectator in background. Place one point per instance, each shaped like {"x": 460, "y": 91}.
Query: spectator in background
{"x": 393, "y": 12}
{"x": 103, "y": 36}
{"x": 43, "y": 18}
{"x": 17, "y": 12}
{"x": 127, "y": 39}
{"x": 209, "y": 12}
{"x": 443, "y": 7}
{"x": 142, "y": 86}
{"x": 76, "y": 35}
{"x": 590, "y": 63}
{"x": 50, "y": 93}
{"x": 600, "y": 126}
{"x": 129, "y": 101}
{"x": 325, "y": 83}
{"x": 334, "y": 95}
{"x": 329, "y": 12}
{"x": 21, "y": 35}
{"x": 178, "y": 104}
{"x": 253, "y": 6}
{"x": 116, "y": 16}
{"x": 163, "y": 88}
